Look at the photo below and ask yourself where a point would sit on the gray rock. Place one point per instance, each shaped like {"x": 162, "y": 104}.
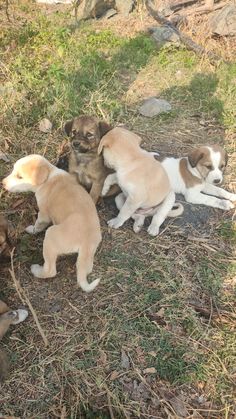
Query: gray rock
{"x": 223, "y": 23}
{"x": 94, "y": 8}
{"x": 163, "y": 34}
{"x": 125, "y": 6}
{"x": 153, "y": 106}
{"x": 110, "y": 13}
{"x": 54, "y": 1}
{"x": 45, "y": 125}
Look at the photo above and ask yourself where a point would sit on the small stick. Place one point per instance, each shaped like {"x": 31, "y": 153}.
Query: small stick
{"x": 24, "y": 298}
{"x": 187, "y": 41}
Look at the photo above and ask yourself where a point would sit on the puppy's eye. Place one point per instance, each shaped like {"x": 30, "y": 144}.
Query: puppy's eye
{"x": 209, "y": 167}
{"x": 73, "y": 133}
{"x": 90, "y": 136}
{"x": 19, "y": 176}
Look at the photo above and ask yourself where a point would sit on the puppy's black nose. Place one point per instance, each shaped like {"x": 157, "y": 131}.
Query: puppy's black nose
{"x": 216, "y": 181}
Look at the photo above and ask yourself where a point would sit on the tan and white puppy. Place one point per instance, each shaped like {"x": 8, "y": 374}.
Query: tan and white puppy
{"x": 197, "y": 176}
{"x": 65, "y": 204}
{"x": 144, "y": 183}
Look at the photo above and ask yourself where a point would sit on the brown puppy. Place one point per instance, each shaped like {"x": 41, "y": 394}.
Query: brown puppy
{"x": 66, "y": 205}
{"x": 7, "y": 318}
{"x": 5, "y": 244}
{"x": 84, "y": 161}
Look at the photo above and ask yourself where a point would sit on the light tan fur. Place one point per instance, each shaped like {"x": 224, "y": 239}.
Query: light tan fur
{"x": 142, "y": 179}
{"x": 66, "y": 205}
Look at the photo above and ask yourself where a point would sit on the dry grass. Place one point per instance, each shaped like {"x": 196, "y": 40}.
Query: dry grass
{"x": 157, "y": 338}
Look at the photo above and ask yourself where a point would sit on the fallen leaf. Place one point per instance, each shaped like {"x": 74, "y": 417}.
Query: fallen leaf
{"x": 150, "y": 370}
{"x": 114, "y": 375}
{"x": 152, "y": 353}
{"x": 125, "y": 363}
{"x": 179, "y": 407}
{"x": 18, "y": 203}
{"x": 4, "y": 157}
{"x": 160, "y": 312}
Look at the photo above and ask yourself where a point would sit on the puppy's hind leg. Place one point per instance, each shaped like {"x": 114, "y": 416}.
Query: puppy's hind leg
{"x": 161, "y": 214}
{"x": 138, "y": 218}
{"x": 84, "y": 267}
{"x": 53, "y": 246}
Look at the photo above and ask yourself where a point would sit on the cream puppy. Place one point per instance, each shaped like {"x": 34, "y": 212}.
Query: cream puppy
{"x": 66, "y": 205}
{"x": 198, "y": 175}
{"x": 144, "y": 183}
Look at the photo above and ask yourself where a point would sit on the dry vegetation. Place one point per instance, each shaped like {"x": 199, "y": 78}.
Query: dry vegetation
{"x": 157, "y": 338}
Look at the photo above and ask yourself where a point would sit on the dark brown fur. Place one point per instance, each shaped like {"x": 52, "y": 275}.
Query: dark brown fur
{"x": 84, "y": 161}
{"x": 5, "y": 245}
{"x": 4, "y": 364}
{"x": 189, "y": 179}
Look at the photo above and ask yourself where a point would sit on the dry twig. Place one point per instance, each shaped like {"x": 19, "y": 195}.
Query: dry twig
{"x": 186, "y": 40}
{"x": 24, "y": 299}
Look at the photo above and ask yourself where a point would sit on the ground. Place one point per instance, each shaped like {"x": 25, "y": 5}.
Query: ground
{"x": 156, "y": 339}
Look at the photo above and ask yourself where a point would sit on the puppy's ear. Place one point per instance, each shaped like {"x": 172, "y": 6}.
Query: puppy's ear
{"x": 68, "y": 127}
{"x": 104, "y": 127}
{"x": 103, "y": 143}
{"x": 195, "y": 156}
{"x": 40, "y": 175}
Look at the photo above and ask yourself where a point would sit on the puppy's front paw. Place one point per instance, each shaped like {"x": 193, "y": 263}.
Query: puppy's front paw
{"x": 226, "y": 205}
{"x": 114, "y": 223}
{"x": 21, "y": 315}
{"x": 37, "y": 271}
{"x": 137, "y": 228}
{"x": 30, "y": 229}
{"x": 138, "y": 224}
{"x": 153, "y": 230}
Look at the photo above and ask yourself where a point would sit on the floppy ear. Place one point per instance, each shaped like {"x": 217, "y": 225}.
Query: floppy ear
{"x": 103, "y": 143}
{"x": 40, "y": 174}
{"x": 68, "y": 127}
{"x": 194, "y": 156}
{"x": 104, "y": 127}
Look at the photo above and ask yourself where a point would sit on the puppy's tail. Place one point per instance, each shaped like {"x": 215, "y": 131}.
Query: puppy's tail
{"x": 176, "y": 211}
{"x": 84, "y": 267}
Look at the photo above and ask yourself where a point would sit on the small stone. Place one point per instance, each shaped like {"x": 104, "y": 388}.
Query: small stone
{"x": 223, "y": 22}
{"x": 150, "y": 370}
{"x": 110, "y": 13}
{"x": 45, "y": 125}
{"x": 55, "y": 1}
{"x": 153, "y": 106}
{"x": 125, "y": 363}
{"x": 163, "y": 34}
{"x": 125, "y": 6}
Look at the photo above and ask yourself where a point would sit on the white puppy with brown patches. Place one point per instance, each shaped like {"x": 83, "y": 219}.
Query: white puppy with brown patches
{"x": 144, "y": 183}
{"x": 197, "y": 175}
{"x": 65, "y": 204}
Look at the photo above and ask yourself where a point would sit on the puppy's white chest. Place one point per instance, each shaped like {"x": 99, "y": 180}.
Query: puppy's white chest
{"x": 171, "y": 165}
